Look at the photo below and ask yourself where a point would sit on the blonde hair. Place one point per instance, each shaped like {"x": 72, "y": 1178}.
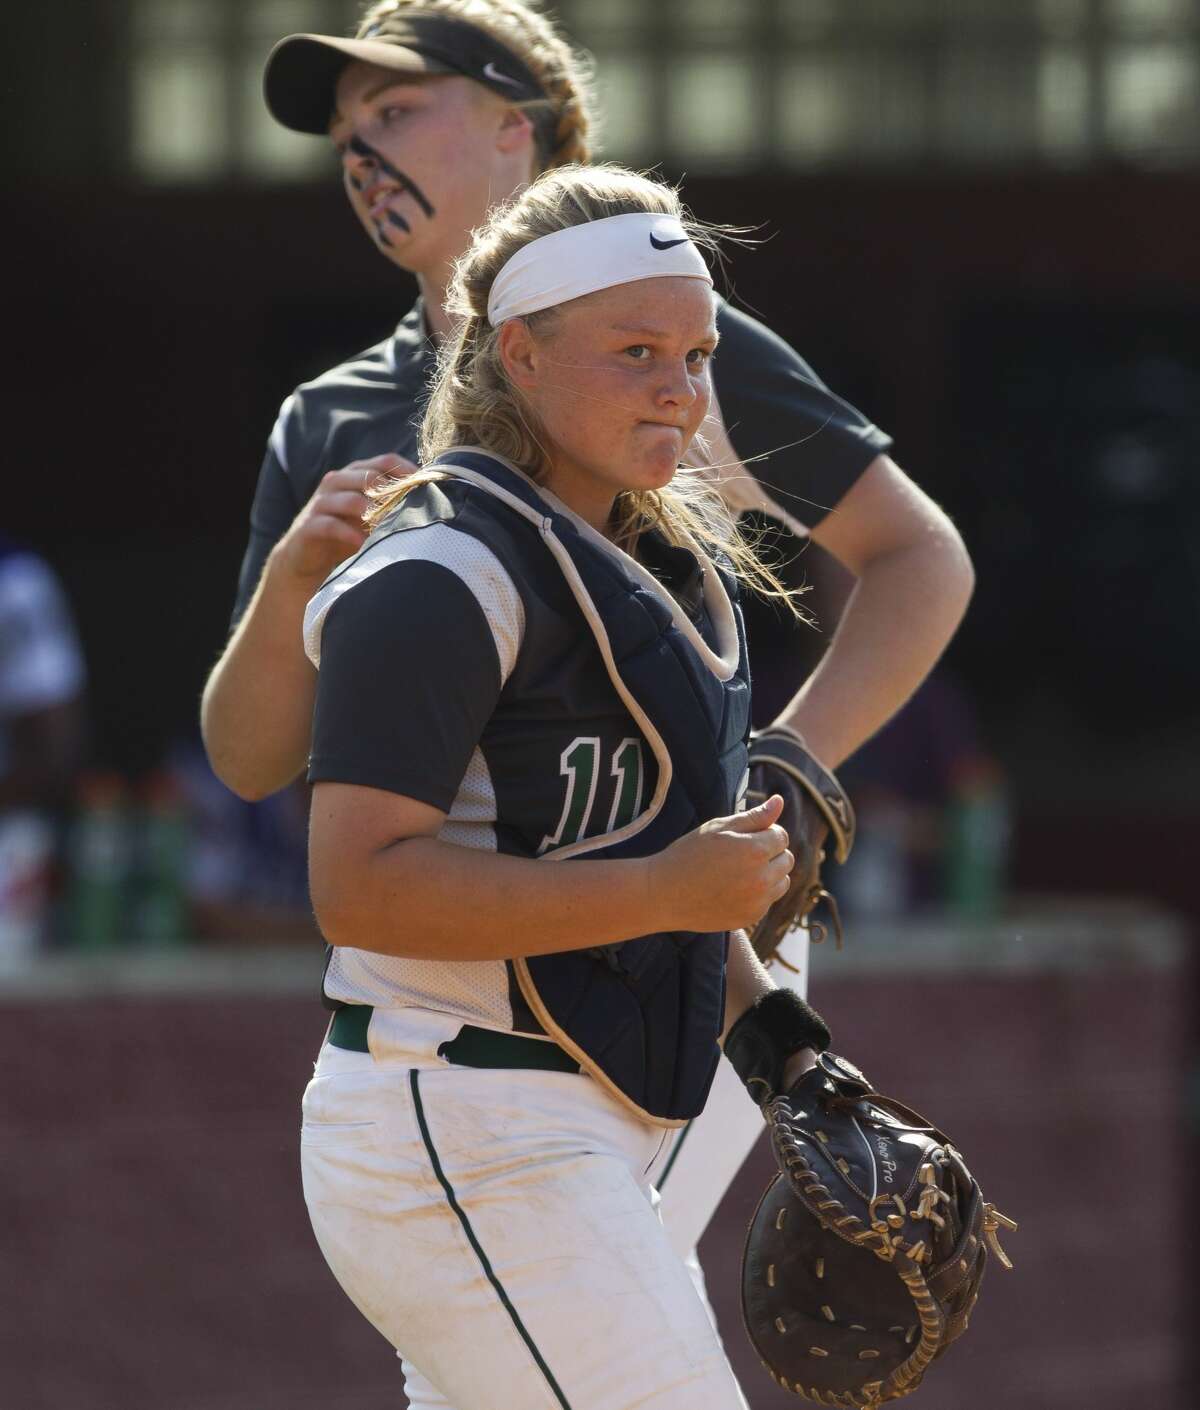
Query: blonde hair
{"x": 474, "y": 403}
{"x": 565, "y": 117}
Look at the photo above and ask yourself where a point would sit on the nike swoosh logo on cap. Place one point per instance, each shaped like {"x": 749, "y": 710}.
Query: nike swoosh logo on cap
{"x": 491, "y": 71}
{"x": 666, "y": 244}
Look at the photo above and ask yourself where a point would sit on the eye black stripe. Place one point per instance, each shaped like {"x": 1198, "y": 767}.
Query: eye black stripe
{"x": 364, "y": 149}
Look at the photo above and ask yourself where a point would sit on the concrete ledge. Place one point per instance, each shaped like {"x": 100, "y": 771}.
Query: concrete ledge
{"x": 1042, "y": 935}
{"x": 192, "y": 972}
{"x": 1051, "y": 935}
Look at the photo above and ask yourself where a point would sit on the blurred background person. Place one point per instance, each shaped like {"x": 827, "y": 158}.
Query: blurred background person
{"x": 246, "y": 872}
{"x": 42, "y": 737}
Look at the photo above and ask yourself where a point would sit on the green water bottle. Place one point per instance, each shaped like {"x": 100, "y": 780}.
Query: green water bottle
{"x": 977, "y": 838}
{"x": 159, "y": 909}
{"x": 98, "y": 856}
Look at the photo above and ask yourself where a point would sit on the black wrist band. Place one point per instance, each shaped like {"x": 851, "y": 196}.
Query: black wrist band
{"x": 767, "y": 1034}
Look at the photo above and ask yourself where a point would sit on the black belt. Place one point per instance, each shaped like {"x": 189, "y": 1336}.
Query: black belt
{"x": 474, "y": 1047}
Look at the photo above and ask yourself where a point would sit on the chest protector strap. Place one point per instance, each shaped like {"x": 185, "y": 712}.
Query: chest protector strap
{"x": 642, "y": 1016}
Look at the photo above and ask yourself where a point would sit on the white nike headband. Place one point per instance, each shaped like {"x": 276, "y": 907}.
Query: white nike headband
{"x": 584, "y": 258}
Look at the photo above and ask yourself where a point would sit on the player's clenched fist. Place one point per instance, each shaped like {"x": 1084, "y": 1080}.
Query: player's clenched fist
{"x": 330, "y": 528}
{"x": 727, "y": 873}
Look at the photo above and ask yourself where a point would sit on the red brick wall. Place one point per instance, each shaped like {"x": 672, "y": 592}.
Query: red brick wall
{"x": 156, "y": 1253}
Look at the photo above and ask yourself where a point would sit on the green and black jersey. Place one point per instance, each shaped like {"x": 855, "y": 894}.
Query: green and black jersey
{"x": 454, "y": 667}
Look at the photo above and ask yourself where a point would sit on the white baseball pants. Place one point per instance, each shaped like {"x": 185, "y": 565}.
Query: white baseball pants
{"x": 499, "y": 1228}
{"x": 503, "y": 1229}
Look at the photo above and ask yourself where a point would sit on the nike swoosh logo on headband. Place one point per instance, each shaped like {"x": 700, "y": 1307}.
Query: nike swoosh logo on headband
{"x": 491, "y": 71}
{"x": 666, "y": 244}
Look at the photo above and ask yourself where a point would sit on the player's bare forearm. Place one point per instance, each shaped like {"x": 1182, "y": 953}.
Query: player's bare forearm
{"x": 383, "y": 880}
{"x": 256, "y": 712}
{"x": 746, "y": 981}
{"x": 914, "y": 582}
{"x": 422, "y": 898}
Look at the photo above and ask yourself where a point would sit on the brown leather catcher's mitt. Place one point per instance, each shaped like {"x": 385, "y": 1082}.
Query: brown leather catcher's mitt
{"x": 865, "y": 1255}
{"x": 815, "y": 807}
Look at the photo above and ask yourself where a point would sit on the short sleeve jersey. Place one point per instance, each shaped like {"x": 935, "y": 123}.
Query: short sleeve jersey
{"x": 471, "y": 684}
{"x": 783, "y": 442}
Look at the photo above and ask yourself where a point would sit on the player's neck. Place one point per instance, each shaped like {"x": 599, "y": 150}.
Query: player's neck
{"x": 580, "y": 493}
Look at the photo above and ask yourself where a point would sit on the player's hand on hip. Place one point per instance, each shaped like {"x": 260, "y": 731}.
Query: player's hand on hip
{"x": 330, "y": 526}
{"x": 726, "y": 873}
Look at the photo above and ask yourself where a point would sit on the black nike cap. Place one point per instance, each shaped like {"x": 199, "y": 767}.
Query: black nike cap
{"x": 300, "y": 79}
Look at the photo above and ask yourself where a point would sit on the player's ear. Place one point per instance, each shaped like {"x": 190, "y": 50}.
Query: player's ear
{"x": 508, "y": 129}
{"x": 515, "y": 132}
{"x": 518, "y": 353}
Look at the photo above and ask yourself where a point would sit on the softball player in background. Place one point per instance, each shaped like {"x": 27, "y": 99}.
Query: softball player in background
{"x": 438, "y": 110}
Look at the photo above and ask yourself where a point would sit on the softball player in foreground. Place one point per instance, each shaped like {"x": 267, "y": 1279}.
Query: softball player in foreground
{"x": 437, "y": 110}
{"x": 529, "y": 745}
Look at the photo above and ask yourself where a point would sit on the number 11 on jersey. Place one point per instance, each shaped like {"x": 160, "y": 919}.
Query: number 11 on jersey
{"x": 579, "y": 764}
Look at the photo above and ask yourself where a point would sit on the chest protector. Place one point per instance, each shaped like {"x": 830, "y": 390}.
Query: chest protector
{"x": 642, "y": 1016}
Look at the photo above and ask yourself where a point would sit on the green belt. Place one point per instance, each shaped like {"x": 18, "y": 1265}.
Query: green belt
{"x": 474, "y": 1047}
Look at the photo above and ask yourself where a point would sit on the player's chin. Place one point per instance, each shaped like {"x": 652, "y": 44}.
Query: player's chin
{"x": 641, "y": 476}
{"x": 392, "y": 241}
{"x": 657, "y": 458}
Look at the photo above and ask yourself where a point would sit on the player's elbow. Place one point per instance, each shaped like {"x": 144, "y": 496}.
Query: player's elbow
{"x": 250, "y": 773}
{"x": 344, "y": 888}
{"x": 254, "y": 750}
{"x": 930, "y": 557}
{"x": 339, "y": 919}
{"x": 957, "y": 572}
{"x": 330, "y": 889}
{"x": 336, "y": 927}
{"x": 346, "y": 923}
{"x": 248, "y": 788}
{"x": 248, "y": 779}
